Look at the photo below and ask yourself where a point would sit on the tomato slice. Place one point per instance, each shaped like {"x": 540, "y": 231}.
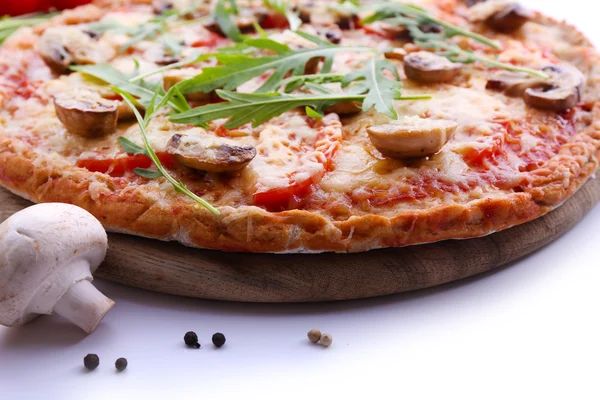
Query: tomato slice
{"x": 295, "y": 185}
{"x": 284, "y": 197}
{"x": 211, "y": 40}
{"x": 118, "y": 167}
{"x": 275, "y": 21}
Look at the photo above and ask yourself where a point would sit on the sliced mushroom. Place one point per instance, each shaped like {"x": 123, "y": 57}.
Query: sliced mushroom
{"x": 558, "y": 93}
{"x": 320, "y": 13}
{"x": 397, "y": 53}
{"x": 561, "y": 92}
{"x": 427, "y": 67}
{"x": 210, "y": 153}
{"x": 85, "y": 113}
{"x": 502, "y": 15}
{"x": 511, "y": 83}
{"x": 411, "y": 136}
{"x": 345, "y": 108}
{"x": 160, "y": 55}
{"x": 63, "y": 46}
{"x": 161, "y": 6}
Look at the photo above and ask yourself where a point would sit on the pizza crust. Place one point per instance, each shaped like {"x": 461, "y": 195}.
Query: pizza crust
{"x": 148, "y": 211}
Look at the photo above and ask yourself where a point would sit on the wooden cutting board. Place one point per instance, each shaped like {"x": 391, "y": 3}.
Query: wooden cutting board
{"x": 173, "y": 268}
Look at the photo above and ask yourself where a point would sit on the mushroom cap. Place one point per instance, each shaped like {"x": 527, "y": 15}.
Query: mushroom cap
{"x": 561, "y": 92}
{"x": 210, "y": 153}
{"x": 427, "y": 67}
{"x": 44, "y": 250}
{"x": 63, "y": 46}
{"x": 85, "y": 113}
{"x": 411, "y": 136}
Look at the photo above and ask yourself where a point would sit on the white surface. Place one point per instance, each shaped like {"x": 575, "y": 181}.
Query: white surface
{"x": 529, "y": 331}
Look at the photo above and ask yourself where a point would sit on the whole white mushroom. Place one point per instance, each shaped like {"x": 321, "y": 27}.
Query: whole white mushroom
{"x": 48, "y": 253}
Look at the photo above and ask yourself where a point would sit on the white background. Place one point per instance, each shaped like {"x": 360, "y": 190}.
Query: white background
{"x": 528, "y": 331}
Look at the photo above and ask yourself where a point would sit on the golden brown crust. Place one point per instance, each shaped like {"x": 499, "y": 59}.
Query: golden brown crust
{"x": 138, "y": 210}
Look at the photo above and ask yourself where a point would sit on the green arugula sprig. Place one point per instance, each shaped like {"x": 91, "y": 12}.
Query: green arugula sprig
{"x": 154, "y": 29}
{"x": 296, "y": 82}
{"x": 380, "y": 91}
{"x": 456, "y": 54}
{"x": 283, "y": 8}
{"x": 410, "y": 15}
{"x": 413, "y": 18}
{"x": 144, "y": 92}
{"x": 248, "y": 47}
{"x": 223, "y": 14}
{"x": 8, "y": 25}
{"x": 259, "y": 108}
{"x": 236, "y": 69}
{"x": 147, "y": 150}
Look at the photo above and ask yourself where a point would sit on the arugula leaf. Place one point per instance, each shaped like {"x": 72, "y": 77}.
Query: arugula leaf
{"x": 222, "y": 16}
{"x": 422, "y": 17}
{"x": 8, "y": 25}
{"x": 131, "y": 147}
{"x": 258, "y": 107}
{"x": 312, "y": 113}
{"x": 315, "y": 39}
{"x": 281, "y": 7}
{"x": 142, "y": 90}
{"x": 237, "y": 69}
{"x": 149, "y": 30}
{"x": 381, "y": 91}
{"x": 239, "y": 48}
{"x": 147, "y": 173}
{"x": 160, "y": 170}
{"x": 456, "y": 54}
{"x": 413, "y": 18}
{"x": 295, "y": 82}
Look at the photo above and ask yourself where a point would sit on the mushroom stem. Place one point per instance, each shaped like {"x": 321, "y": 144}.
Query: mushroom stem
{"x": 83, "y": 305}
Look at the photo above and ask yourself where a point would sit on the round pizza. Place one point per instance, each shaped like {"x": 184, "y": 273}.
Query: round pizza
{"x": 299, "y": 126}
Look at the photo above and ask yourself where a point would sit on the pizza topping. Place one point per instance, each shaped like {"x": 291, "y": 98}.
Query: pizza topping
{"x": 210, "y": 153}
{"x": 558, "y": 93}
{"x": 85, "y": 113}
{"x": 502, "y": 15}
{"x": 162, "y": 6}
{"x": 281, "y": 9}
{"x": 411, "y": 136}
{"x": 64, "y": 46}
{"x": 439, "y": 40}
{"x": 320, "y": 13}
{"x": 396, "y": 54}
{"x": 345, "y": 108}
{"x": 561, "y": 92}
{"x": 161, "y": 56}
{"x": 427, "y": 67}
{"x": 511, "y": 83}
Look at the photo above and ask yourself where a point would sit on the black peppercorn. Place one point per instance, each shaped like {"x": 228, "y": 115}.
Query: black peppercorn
{"x": 121, "y": 364}
{"x": 191, "y": 339}
{"x": 218, "y": 339}
{"x": 91, "y": 361}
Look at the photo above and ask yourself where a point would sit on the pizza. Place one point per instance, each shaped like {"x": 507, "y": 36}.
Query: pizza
{"x": 300, "y": 126}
